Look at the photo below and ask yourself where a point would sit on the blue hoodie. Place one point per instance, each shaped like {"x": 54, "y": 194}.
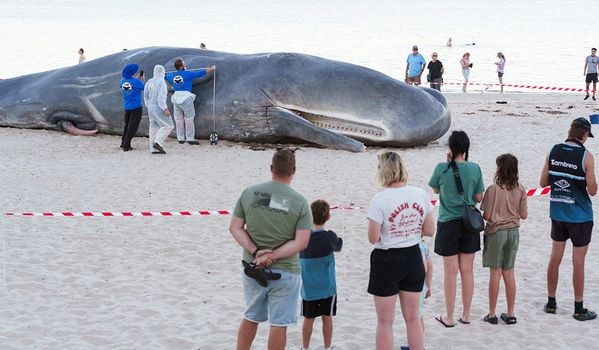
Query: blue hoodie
{"x": 131, "y": 87}
{"x": 181, "y": 80}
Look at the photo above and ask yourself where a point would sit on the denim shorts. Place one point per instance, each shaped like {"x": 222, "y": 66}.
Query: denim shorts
{"x": 276, "y": 302}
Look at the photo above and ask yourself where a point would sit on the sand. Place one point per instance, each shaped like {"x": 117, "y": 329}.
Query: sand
{"x": 175, "y": 283}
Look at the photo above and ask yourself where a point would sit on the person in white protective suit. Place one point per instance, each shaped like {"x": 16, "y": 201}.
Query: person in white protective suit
{"x": 161, "y": 123}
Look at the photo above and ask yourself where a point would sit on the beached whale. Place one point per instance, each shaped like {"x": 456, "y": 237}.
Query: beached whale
{"x": 267, "y": 98}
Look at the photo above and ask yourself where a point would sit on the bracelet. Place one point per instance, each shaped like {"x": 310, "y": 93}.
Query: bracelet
{"x": 255, "y": 251}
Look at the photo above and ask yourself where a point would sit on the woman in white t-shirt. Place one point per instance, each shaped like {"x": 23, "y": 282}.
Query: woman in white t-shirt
{"x": 398, "y": 216}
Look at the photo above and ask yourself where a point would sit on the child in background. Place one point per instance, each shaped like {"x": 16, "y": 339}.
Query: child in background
{"x": 428, "y": 279}
{"x": 503, "y": 205}
{"x": 319, "y": 289}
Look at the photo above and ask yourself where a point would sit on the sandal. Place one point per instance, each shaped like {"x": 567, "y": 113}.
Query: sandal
{"x": 259, "y": 275}
{"x": 508, "y": 319}
{"x": 491, "y": 320}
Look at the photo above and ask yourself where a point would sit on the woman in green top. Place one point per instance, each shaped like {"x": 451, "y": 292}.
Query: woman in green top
{"x": 453, "y": 241}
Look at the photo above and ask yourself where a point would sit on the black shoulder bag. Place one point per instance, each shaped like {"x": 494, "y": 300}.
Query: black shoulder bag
{"x": 473, "y": 219}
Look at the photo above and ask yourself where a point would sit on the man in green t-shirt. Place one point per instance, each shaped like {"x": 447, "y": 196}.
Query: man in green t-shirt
{"x": 272, "y": 223}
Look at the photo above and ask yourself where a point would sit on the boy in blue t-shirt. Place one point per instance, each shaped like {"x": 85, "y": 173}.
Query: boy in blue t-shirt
{"x": 319, "y": 289}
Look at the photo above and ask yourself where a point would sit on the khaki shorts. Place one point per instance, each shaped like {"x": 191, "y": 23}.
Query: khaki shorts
{"x": 500, "y": 249}
{"x": 415, "y": 80}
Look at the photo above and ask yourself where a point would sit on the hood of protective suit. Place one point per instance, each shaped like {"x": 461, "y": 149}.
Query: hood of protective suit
{"x": 158, "y": 72}
{"x": 130, "y": 70}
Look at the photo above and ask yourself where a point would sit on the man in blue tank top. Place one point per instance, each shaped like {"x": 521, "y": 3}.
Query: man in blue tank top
{"x": 570, "y": 170}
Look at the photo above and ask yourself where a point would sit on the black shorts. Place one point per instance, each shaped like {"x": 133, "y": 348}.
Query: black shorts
{"x": 499, "y": 74}
{"x": 591, "y": 78}
{"x": 396, "y": 269}
{"x": 453, "y": 238}
{"x": 321, "y": 307}
{"x": 578, "y": 232}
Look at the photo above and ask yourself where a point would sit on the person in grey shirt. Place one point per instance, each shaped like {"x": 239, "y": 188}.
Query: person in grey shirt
{"x": 590, "y": 71}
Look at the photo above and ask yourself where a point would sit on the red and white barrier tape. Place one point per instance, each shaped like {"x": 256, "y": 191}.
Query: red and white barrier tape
{"x": 530, "y": 193}
{"x": 522, "y": 86}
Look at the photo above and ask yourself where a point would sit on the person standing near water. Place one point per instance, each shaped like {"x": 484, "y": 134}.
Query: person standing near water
{"x": 500, "y": 67}
{"x": 435, "y": 72}
{"x": 415, "y": 64}
{"x": 466, "y": 65}
{"x": 590, "y": 71}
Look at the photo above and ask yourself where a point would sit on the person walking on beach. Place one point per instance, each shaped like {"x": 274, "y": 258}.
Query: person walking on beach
{"x": 132, "y": 85}
{"x": 415, "y": 64}
{"x": 181, "y": 81}
{"x": 82, "y": 57}
{"x": 453, "y": 241}
{"x": 500, "y": 67}
{"x": 271, "y": 222}
{"x": 570, "y": 171}
{"x": 466, "y": 65}
{"x": 398, "y": 217}
{"x": 590, "y": 71}
{"x": 161, "y": 124}
{"x": 435, "y": 72}
{"x": 319, "y": 288}
{"x": 503, "y": 205}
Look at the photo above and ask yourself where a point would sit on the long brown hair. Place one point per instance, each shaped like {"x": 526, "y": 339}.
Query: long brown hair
{"x": 506, "y": 175}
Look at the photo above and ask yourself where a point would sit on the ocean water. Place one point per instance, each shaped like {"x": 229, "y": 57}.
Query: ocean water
{"x": 545, "y": 42}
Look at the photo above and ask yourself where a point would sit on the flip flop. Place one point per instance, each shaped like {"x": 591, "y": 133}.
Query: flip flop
{"x": 462, "y": 321}
{"x": 440, "y": 320}
{"x": 491, "y": 320}
{"x": 508, "y": 319}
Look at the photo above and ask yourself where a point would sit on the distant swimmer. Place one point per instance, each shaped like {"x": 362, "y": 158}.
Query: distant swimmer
{"x": 473, "y": 44}
{"x": 203, "y": 46}
{"x": 449, "y": 43}
{"x": 82, "y": 57}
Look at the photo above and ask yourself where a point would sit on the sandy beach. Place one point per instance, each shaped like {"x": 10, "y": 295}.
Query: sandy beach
{"x": 175, "y": 282}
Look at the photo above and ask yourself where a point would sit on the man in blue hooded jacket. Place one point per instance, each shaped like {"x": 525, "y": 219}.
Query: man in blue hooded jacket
{"x": 132, "y": 86}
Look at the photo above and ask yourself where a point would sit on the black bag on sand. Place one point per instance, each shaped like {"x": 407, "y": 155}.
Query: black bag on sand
{"x": 473, "y": 219}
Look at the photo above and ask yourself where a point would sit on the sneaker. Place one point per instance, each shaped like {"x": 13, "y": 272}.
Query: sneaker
{"x": 181, "y": 142}
{"x": 594, "y": 99}
{"x": 586, "y": 315}
{"x": 193, "y": 142}
{"x": 127, "y": 149}
{"x": 159, "y": 148}
{"x": 550, "y": 308}
{"x": 586, "y": 97}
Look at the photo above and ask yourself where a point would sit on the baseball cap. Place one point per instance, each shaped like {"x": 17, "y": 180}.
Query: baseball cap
{"x": 415, "y": 47}
{"x": 582, "y": 123}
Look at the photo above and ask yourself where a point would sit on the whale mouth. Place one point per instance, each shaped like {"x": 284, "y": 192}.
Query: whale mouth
{"x": 353, "y": 129}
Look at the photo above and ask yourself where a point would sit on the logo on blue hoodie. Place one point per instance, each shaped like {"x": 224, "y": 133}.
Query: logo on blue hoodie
{"x": 178, "y": 80}
{"x": 126, "y": 87}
